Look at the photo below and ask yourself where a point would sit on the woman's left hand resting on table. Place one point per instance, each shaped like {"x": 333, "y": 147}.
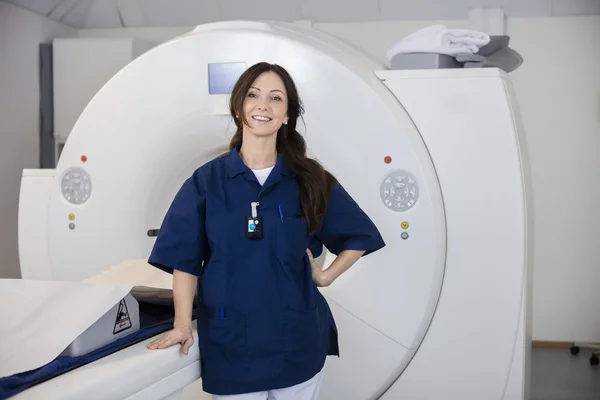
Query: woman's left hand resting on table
{"x": 341, "y": 264}
{"x": 184, "y": 290}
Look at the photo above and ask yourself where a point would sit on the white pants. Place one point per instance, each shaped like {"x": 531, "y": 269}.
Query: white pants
{"x": 308, "y": 390}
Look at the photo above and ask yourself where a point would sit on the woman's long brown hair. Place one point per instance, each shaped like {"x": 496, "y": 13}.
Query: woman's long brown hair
{"x": 314, "y": 182}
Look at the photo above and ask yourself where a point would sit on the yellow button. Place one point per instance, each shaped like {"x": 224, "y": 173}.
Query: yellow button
{"x": 71, "y": 217}
{"x": 404, "y": 225}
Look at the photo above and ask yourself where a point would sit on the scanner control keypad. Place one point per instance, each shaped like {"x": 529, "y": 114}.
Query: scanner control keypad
{"x": 399, "y": 190}
{"x": 76, "y": 186}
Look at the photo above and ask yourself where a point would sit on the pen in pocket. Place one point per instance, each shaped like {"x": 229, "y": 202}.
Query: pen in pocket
{"x": 280, "y": 213}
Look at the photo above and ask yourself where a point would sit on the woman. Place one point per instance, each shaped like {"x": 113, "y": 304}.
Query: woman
{"x": 248, "y": 224}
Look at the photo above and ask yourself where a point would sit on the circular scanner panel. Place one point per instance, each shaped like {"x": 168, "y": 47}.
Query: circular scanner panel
{"x": 76, "y": 185}
{"x": 399, "y": 190}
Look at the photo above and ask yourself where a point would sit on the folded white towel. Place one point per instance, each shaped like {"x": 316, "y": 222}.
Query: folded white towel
{"x": 441, "y": 40}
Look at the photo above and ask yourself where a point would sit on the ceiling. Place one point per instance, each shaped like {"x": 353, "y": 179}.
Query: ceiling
{"x": 97, "y": 14}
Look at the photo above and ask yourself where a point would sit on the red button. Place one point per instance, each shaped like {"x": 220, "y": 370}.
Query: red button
{"x": 83, "y": 158}
{"x": 387, "y": 159}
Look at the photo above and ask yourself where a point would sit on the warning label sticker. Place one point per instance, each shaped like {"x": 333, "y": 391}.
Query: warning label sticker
{"x": 123, "y": 321}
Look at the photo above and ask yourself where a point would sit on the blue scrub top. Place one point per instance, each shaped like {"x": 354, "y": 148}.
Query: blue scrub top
{"x": 262, "y": 322}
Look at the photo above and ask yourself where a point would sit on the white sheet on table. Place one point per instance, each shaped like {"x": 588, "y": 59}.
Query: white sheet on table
{"x": 39, "y": 319}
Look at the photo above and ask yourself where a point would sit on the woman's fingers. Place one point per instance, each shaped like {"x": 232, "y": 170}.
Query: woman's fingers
{"x": 169, "y": 341}
{"x": 163, "y": 341}
{"x": 310, "y": 256}
{"x": 185, "y": 348}
{"x": 172, "y": 338}
{"x": 156, "y": 342}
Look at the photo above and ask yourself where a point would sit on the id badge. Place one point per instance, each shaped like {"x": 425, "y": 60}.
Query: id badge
{"x": 254, "y": 223}
{"x": 254, "y": 230}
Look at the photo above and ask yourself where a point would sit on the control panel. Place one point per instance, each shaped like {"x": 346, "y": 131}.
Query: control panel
{"x": 76, "y": 186}
{"x": 399, "y": 190}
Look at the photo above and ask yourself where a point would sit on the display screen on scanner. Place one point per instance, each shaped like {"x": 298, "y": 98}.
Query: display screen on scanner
{"x": 223, "y": 76}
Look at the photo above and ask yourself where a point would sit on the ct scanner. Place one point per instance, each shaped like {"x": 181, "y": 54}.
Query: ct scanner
{"x": 436, "y": 157}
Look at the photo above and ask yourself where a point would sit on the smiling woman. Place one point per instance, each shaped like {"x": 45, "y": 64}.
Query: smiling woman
{"x": 248, "y": 223}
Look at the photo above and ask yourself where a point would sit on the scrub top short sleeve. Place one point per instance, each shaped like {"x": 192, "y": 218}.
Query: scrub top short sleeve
{"x": 181, "y": 241}
{"x": 347, "y": 227}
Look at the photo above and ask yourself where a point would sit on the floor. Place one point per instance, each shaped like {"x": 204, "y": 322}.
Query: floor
{"x": 556, "y": 375}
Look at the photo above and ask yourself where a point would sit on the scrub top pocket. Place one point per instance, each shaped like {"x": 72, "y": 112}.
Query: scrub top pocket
{"x": 301, "y": 335}
{"x": 292, "y": 239}
{"x": 228, "y": 331}
{"x": 223, "y": 341}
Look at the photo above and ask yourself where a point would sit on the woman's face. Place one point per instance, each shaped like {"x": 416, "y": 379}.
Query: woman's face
{"x": 265, "y": 105}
